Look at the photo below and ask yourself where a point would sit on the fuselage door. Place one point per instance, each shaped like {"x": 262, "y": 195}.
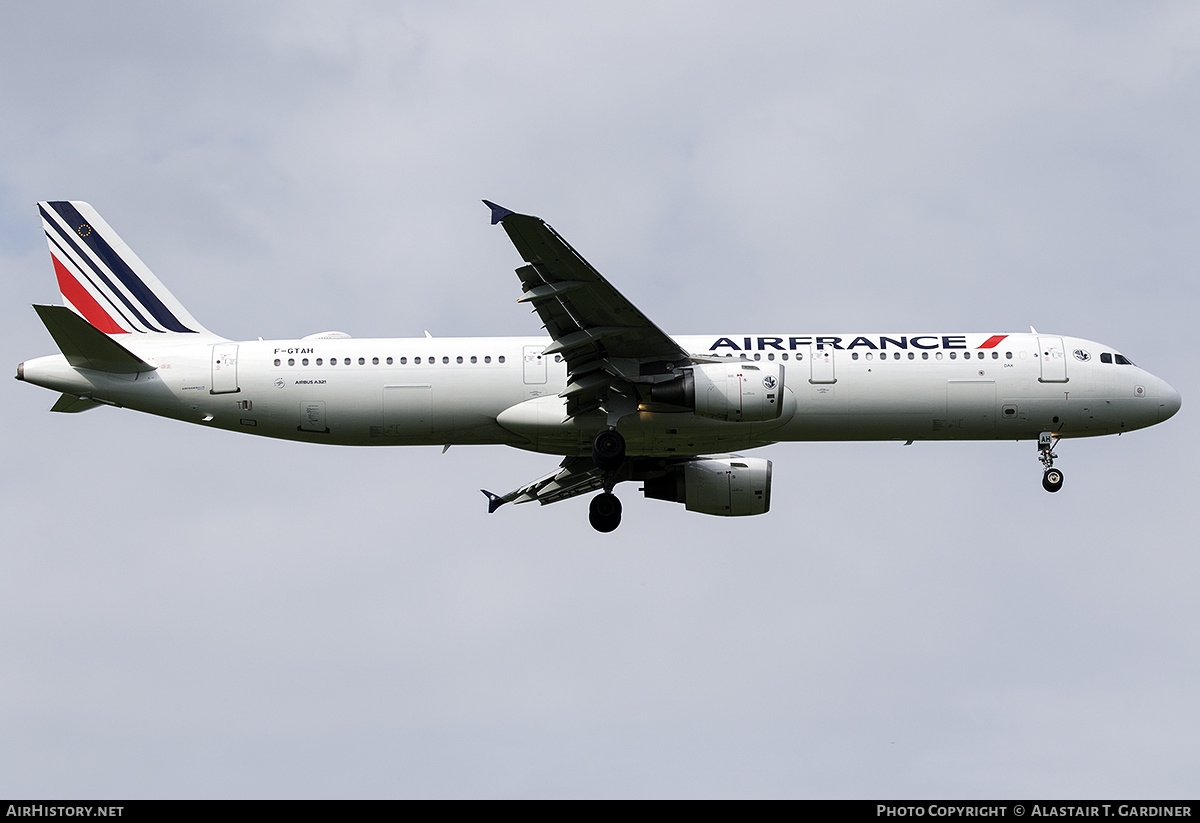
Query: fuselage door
{"x": 1053, "y": 358}
{"x": 535, "y": 365}
{"x": 821, "y": 359}
{"x": 224, "y": 368}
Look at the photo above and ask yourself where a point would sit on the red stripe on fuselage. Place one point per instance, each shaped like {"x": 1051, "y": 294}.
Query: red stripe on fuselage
{"x": 993, "y": 341}
{"x": 79, "y": 297}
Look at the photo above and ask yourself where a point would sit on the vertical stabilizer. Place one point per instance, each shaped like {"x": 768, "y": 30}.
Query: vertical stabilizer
{"x": 103, "y": 281}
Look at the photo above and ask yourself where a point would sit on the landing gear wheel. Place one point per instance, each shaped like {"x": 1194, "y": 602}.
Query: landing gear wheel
{"x": 608, "y": 450}
{"x": 1052, "y": 480}
{"x": 605, "y": 512}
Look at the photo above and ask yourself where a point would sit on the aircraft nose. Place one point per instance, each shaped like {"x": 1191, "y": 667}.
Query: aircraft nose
{"x": 1169, "y": 404}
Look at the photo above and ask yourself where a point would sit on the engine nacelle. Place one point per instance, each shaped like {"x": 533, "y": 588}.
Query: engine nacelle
{"x": 736, "y": 391}
{"x": 724, "y": 486}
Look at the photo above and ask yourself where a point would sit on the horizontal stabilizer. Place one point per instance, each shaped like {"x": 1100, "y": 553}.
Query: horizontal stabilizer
{"x": 85, "y": 346}
{"x": 70, "y": 404}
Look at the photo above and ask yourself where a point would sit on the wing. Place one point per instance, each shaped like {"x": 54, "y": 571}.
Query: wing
{"x": 607, "y": 343}
{"x": 576, "y": 475}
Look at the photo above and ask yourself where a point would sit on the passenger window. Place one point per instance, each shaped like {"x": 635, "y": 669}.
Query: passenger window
{"x": 995, "y": 355}
{"x": 403, "y": 361}
{"x": 953, "y": 355}
{"x": 277, "y": 361}
{"x": 924, "y": 355}
{"x": 896, "y": 355}
{"x": 500, "y": 359}
{"x": 291, "y": 361}
{"x": 304, "y": 362}
{"x": 347, "y": 361}
{"x": 1008, "y": 355}
{"x": 362, "y": 361}
{"x": 389, "y": 361}
{"x": 912, "y": 356}
{"x": 854, "y": 356}
{"x": 319, "y": 361}
{"x": 487, "y": 358}
{"x": 459, "y": 359}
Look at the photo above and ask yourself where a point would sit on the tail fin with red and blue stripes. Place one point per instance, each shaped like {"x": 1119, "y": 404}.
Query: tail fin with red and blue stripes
{"x": 103, "y": 281}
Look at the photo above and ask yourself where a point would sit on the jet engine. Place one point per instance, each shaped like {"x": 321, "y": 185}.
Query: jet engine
{"x": 726, "y": 486}
{"x": 736, "y": 391}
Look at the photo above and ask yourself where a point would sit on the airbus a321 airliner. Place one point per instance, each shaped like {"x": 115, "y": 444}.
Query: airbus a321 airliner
{"x": 611, "y": 393}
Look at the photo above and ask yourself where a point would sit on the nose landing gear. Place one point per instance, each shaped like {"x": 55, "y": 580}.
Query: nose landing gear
{"x": 1052, "y": 478}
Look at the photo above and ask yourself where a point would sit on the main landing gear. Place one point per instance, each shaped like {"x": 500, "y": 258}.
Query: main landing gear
{"x": 604, "y": 513}
{"x": 1052, "y": 478}
{"x": 608, "y": 453}
{"x": 608, "y": 450}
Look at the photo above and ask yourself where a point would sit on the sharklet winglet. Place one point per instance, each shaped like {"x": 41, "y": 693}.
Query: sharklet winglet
{"x": 495, "y": 501}
{"x": 498, "y": 212}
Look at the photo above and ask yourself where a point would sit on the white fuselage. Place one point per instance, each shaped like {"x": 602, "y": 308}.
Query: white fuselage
{"x": 440, "y": 391}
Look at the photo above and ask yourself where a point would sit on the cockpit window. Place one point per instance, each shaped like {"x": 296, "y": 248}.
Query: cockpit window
{"x": 1105, "y": 357}
{"x": 1122, "y": 360}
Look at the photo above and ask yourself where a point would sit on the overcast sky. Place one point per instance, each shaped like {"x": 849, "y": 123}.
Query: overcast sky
{"x": 194, "y": 613}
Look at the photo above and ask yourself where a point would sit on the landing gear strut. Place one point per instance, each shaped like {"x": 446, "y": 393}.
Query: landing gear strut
{"x": 608, "y": 453}
{"x": 1052, "y": 478}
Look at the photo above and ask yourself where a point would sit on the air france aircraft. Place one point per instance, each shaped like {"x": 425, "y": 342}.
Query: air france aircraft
{"x": 611, "y": 393}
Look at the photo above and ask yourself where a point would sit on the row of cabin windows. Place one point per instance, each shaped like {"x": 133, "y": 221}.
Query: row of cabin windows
{"x": 1105, "y": 357}
{"x": 362, "y": 361}
{"x": 937, "y": 355}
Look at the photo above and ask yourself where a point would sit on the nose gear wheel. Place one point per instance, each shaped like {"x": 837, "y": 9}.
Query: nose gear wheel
{"x": 1052, "y": 478}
